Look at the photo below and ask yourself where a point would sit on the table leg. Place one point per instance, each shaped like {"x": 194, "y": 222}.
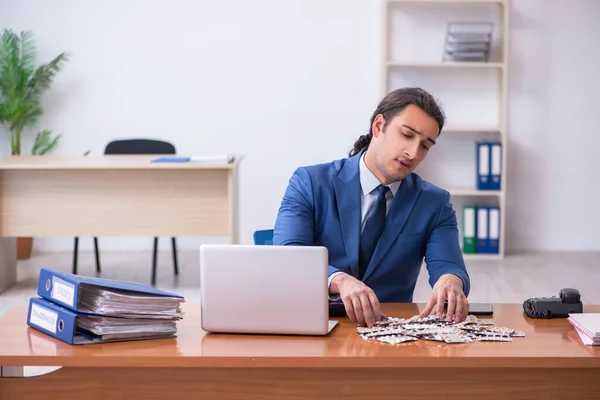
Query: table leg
{"x": 8, "y": 263}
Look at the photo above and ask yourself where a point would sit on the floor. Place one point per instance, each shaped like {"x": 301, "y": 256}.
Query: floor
{"x": 511, "y": 280}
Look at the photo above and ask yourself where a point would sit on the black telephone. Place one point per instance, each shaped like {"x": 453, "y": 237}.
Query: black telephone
{"x": 569, "y": 301}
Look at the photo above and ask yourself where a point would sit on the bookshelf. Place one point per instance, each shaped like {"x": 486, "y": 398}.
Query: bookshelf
{"x": 472, "y": 93}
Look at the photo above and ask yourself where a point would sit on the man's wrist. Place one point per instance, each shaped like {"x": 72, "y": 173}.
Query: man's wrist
{"x": 333, "y": 296}
{"x": 456, "y": 278}
{"x": 334, "y": 282}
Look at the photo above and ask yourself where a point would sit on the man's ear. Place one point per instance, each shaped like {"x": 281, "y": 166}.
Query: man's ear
{"x": 378, "y": 125}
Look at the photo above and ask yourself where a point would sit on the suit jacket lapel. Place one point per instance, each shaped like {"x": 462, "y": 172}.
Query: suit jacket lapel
{"x": 348, "y": 193}
{"x": 402, "y": 205}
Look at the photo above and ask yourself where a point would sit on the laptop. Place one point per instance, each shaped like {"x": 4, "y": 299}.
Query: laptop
{"x": 264, "y": 289}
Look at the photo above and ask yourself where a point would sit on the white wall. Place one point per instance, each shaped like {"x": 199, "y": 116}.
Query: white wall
{"x": 554, "y": 120}
{"x": 288, "y": 83}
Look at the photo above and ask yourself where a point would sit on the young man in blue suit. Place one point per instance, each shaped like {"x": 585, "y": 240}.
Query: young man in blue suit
{"x": 377, "y": 218}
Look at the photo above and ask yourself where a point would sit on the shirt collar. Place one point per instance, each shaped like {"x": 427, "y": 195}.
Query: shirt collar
{"x": 369, "y": 182}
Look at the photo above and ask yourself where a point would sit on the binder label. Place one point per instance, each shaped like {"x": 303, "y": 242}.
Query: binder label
{"x": 496, "y": 160}
{"x": 63, "y": 291}
{"x": 482, "y": 223}
{"x": 43, "y": 317}
{"x": 494, "y": 224}
{"x": 484, "y": 161}
{"x": 469, "y": 223}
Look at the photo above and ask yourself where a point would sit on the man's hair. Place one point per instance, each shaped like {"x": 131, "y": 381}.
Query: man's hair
{"x": 394, "y": 103}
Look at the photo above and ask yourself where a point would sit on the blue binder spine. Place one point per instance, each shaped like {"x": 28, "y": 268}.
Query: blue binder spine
{"x": 494, "y": 230}
{"x": 482, "y": 243}
{"x": 495, "y": 165}
{"x": 59, "y": 288}
{"x": 52, "y": 319}
{"x": 482, "y": 158}
{"x": 65, "y": 289}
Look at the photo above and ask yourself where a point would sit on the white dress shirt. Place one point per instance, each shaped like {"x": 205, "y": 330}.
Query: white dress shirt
{"x": 368, "y": 184}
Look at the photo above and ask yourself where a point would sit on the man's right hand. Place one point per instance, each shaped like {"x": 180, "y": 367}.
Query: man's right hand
{"x": 360, "y": 301}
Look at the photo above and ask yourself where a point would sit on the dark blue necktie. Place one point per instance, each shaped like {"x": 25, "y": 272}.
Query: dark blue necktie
{"x": 372, "y": 230}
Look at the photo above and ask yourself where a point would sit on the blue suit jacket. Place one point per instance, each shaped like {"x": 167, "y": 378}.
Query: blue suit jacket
{"x": 322, "y": 206}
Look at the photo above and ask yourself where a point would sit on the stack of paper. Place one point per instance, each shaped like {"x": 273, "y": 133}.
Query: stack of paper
{"x": 80, "y": 310}
{"x": 119, "y": 328}
{"x": 130, "y": 304}
{"x": 587, "y": 326}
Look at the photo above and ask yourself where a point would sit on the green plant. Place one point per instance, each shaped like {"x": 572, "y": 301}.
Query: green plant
{"x": 21, "y": 88}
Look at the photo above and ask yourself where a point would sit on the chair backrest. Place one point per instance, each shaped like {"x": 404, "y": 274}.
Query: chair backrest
{"x": 139, "y": 146}
{"x": 263, "y": 237}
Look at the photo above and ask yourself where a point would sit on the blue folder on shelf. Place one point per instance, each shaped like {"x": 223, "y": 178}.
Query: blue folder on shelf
{"x": 495, "y": 178}
{"x": 482, "y": 243}
{"x": 482, "y": 160}
{"x": 106, "y": 296}
{"x": 80, "y": 328}
{"x": 493, "y": 230}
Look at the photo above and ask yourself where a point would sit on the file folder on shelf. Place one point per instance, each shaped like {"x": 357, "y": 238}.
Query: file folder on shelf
{"x": 481, "y": 229}
{"x": 80, "y": 328}
{"x": 493, "y": 230}
{"x": 469, "y": 230}
{"x": 107, "y": 297}
{"x": 495, "y": 177}
{"x": 482, "y": 160}
{"x": 482, "y": 243}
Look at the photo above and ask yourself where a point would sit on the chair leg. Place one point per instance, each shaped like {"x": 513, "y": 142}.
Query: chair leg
{"x": 154, "y": 257}
{"x": 97, "y": 254}
{"x": 75, "y": 254}
{"x": 175, "y": 266}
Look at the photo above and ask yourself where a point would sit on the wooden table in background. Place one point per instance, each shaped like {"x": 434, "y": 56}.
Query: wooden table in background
{"x": 112, "y": 196}
{"x": 549, "y": 363}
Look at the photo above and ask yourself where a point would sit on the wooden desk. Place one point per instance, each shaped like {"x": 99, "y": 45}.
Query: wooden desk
{"x": 112, "y": 196}
{"x": 549, "y": 363}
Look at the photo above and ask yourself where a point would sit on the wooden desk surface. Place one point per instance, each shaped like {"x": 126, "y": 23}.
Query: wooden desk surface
{"x": 102, "y": 162}
{"x": 547, "y": 344}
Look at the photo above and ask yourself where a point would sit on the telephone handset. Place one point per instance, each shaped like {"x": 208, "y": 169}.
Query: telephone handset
{"x": 569, "y": 301}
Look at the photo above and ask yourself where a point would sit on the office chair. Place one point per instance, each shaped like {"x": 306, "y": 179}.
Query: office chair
{"x": 263, "y": 237}
{"x": 131, "y": 147}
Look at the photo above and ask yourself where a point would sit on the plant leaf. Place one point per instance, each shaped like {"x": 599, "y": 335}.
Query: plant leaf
{"x": 43, "y": 76}
{"x": 27, "y": 52}
{"x": 44, "y": 142}
{"x": 21, "y": 86}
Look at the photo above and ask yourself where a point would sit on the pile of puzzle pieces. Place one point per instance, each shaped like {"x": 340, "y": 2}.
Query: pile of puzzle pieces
{"x": 399, "y": 330}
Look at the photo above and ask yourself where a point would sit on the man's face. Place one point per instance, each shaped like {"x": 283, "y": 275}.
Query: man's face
{"x": 404, "y": 143}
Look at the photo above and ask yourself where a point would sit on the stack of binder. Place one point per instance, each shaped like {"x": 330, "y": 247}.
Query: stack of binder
{"x": 481, "y": 229}
{"x": 488, "y": 165}
{"x": 83, "y": 310}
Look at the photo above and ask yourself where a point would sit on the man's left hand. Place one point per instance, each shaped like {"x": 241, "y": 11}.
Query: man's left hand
{"x": 448, "y": 288}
